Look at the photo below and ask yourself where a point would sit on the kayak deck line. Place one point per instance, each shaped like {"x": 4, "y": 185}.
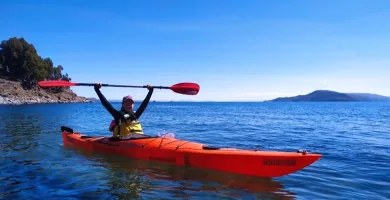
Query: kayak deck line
{"x": 143, "y": 136}
{"x": 186, "y": 153}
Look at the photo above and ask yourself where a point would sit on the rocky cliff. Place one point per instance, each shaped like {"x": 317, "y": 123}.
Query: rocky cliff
{"x": 12, "y": 92}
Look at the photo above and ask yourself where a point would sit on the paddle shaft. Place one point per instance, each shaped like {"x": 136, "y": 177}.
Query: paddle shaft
{"x": 111, "y": 85}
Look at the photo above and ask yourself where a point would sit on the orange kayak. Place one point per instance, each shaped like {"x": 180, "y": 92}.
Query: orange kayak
{"x": 192, "y": 154}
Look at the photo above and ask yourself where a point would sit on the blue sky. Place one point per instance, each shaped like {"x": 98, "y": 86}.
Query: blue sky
{"x": 236, "y": 50}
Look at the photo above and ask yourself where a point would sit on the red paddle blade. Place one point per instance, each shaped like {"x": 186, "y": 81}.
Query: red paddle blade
{"x": 55, "y": 83}
{"x": 186, "y": 88}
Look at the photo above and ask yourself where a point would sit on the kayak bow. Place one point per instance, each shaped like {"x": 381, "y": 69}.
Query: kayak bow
{"x": 192, "y": 154}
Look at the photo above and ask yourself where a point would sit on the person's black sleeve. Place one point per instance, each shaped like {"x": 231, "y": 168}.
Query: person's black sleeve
{"x": 107, "y": 104}
{"x": 144, "y": 104}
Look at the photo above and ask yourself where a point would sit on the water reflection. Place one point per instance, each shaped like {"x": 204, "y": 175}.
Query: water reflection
{"x": 130, "y": 178}
{"x": 18, "y": 132}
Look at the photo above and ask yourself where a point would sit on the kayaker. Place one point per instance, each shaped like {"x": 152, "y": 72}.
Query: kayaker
{"x": 126, "y": 121}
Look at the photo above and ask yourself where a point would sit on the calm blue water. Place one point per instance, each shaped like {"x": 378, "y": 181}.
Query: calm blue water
{"x": 353, "y": 137}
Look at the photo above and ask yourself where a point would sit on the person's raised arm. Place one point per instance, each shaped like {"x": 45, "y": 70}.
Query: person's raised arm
{"x": 144, "y": 103}
{"x": 105, "y": 102}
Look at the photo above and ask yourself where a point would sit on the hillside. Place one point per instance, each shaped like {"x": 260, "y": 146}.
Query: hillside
{"x": 327, "y": 95}
{"x": 369, "y": 97}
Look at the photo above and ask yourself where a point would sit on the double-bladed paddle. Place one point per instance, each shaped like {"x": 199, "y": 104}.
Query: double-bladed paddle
{"x": 186, "y": 88}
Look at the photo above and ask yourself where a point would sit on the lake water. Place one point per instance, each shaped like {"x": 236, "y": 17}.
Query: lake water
{"x": 354, "y": 139}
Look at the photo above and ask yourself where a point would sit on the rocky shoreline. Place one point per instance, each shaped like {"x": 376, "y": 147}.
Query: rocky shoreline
{"x": 35, "y": 100}
{"x": 12, "y": 93}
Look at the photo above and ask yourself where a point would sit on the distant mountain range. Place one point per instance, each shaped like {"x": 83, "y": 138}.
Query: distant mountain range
{"x": 93, "y": 99}
{"x": 327, "y": 95}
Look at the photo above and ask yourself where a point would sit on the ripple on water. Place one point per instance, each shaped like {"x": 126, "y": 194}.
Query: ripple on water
{"x": 353, "y": 138}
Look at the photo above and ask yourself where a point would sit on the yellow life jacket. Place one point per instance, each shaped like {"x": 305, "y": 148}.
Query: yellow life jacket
{"x": 127, "y": 127}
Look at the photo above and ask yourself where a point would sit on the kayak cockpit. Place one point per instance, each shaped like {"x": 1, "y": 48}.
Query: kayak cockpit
{"x": 133, "y": 136}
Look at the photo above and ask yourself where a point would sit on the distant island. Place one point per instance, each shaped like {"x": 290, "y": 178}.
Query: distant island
{"x": 21, "y": 68}
{"x": 93, "y": 99}
{"x": 328, "y": 95}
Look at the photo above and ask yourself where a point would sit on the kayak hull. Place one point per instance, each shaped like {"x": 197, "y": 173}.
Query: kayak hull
{"x": 185, "y": 153}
